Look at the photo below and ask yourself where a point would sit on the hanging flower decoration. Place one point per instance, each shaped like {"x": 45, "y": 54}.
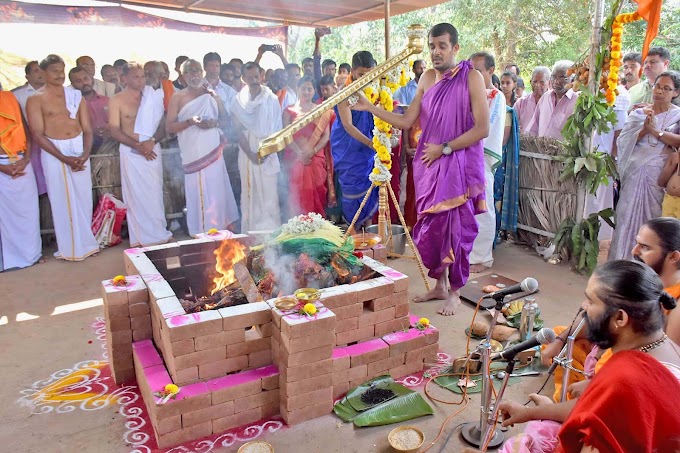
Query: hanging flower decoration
{"x": 615, "y": 54}
{"x": 383, "y": 132}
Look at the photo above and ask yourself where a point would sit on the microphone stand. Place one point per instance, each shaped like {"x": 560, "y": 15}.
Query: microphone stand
{"x": 476, "y": 433}
{"x": 565, "y": 360}
{"x": 492, "y": 417}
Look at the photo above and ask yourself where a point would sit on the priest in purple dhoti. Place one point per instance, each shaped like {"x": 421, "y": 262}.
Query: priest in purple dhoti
{"x": 448, "y": 166}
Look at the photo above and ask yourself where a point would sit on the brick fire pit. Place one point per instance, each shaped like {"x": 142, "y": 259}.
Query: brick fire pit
{"x": 239, "y": 364}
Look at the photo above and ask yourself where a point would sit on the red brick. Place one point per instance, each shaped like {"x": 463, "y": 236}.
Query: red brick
{"x": 375, "y": 317}
{"x": 201, "y": 357}
{"x": 296, "y": 327}
{"x": 394, "y": 325}
{"x": 380, "y": 253}
{"x": 141, "y": 322}
{"x": 308, "y": 399}
{"x": 265, "y": 330}
{"x": 186, "y": 375}
{"x": 406, "y": 369}
{"x": 430, "y": 353}
{"x": 357, "y": 382}
{"x": 117, "y": 311}
{"x": 350, "y": 374}
{"x": 417, "y": 355}
{"x": 142, "y": 334}
{"x": 377, "y": 368}
{"x": 242, "y": 316}
{"x": 351, "y": 336}
{"x": 257, "y": 400}
{"x": 391, "y": 300}
{"x": 188, "y": 400}
{"x": 249, "y": 346}
{"x": 113, "y": 296}
{"x": 289, "y": 389}
{"x": 137, "y": 296}
{"x": 344, "y": 325}
{"x": 340, "y": 390}
{"x": 223, "y": 338}
{"x": 139, "y": 309}
{"x": 208, "y": 414}
{"x": 431, "y": 336}
{"x": 270, "y": 383}
{"x": 370, "y": 356}
{"x": 338, "y": 296}
{"x": 222, "y": 367}
{"x": 373, "y": 289}
{"x": 301, "y": 358}
{"x": 234, "y": 392}
{"x": 401, "y": 310}
{"x": 260, "y": 359}
{"x": 232, "y": 421}
{"x": 117, "y": 324}
{"x": 349, "y": 311}
{"x": 307, "y": 371}
{"x": 185, "y": 435}
{"x": 293, "y": 345}
{"x": 120, "y": 350}
{"x": 121, "y": 376}
{"x": 182, "y": 347}
{"x": 168, "y": 425}
{"x": 193, "y": 325}
{"x": 341, "y": 363}
{"x": 306, "y": 413}
{"x": 271, "y": 409}
{"x": 398, "y": 347}
{"x": 119, "y": 337}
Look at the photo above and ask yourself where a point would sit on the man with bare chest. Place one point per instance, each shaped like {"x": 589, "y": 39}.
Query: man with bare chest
{"x": 61, "y": 126}
{"x": 193, "y": 115}
{"x": 136, "y": 121}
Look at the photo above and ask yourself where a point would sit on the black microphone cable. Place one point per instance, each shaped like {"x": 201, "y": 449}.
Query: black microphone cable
{"x": 571, "y": 329}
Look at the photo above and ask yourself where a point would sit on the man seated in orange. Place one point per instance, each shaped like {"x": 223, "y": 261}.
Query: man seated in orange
{"x": 658, "y": 246}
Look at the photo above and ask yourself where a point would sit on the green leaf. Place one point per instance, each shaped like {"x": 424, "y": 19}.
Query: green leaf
{"x": 384, "y": 382}
{"x": 593, "y": 251}
{"x": 591, "y": 163}
{"x": 576, "y": 239}
{"x": 405, "y": 407}
{"x": 582, "y": 257}
{"x": 608, "y": 216}
{"x": 345, "y": 411}
{"x": 579, "y": 163}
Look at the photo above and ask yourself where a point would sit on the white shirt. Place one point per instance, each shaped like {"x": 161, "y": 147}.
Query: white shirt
{"x": 22, "y": 94}
{"x": 224, "y": 91}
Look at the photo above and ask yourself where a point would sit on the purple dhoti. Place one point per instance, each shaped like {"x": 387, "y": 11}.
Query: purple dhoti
{"x": 450, "y": 192}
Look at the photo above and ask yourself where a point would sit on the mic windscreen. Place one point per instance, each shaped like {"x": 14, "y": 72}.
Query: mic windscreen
{"x": 529, "y": 285}
{"x": 546, "y": 336}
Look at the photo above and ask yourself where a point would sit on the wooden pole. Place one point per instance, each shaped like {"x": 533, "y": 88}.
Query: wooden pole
{"x": 387, "y": 29}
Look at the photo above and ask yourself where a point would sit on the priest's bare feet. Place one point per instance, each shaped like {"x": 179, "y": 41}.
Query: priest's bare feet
{"x": 450, "y": 306}
{"x": 478, "y": 268}
{"x": 436, "y": 293}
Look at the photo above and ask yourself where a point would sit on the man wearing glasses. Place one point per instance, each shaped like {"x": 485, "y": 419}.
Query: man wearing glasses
{"x": 555, "y": 106}
{"x": 655, "y": 63}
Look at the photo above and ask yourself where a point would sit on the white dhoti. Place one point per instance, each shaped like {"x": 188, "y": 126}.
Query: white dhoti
{"x": 259, "y": 196}
{"x": 20, "y": 243}
{"x": 209, "y": 197}
{"x": 70, "y": 194}
{"x": 142, "y": 183}
{"x": 482, "y": 249}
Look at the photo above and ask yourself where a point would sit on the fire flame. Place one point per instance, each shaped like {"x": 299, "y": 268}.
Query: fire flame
{"x": 229, "y": 252}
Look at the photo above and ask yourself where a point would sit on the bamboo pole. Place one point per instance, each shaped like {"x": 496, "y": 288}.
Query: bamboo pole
{"x": 361, "y": 207}
{"x": 419, "y": 260}
{"x": 387, "y": 29}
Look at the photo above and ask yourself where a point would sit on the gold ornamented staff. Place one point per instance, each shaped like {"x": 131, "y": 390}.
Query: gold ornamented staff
{"x": 278, "y": 142}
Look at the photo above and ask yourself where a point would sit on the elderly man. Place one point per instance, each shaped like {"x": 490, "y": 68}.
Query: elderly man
{"x": 526, "y": 106}
{"x": 632, "y": 63}
{"x": 101, "y": 87}
{"x": 193, "y": 115}
{"x": 257, "y": 114}
{"x": 136, "y": 120}
{"x": 555, "y": 106}
{"x": 656, "y": 62}
{"x": 61, "y": 125}
{"x": 97, "y": 106}
{"x": 481, "y": 257}
{"x": 20, "y": 243}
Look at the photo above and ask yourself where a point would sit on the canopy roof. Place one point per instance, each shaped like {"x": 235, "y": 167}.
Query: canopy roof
{"x": 313, "y": 13}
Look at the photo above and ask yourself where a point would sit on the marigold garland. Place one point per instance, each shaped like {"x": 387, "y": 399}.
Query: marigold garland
{"x": 615, "y": 62}
{"x": 381, "y": 94}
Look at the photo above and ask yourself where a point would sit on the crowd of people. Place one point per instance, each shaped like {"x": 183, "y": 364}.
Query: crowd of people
{"x": 461, "y": 126}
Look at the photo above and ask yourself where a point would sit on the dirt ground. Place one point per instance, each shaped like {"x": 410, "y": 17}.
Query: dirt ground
{"x": 47, "y": 314}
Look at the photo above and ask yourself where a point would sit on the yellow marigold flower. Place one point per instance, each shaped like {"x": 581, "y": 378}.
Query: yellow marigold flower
{"x": 119, "y": 280}
{"x": 171, "y": 389}
{"x": 376, "y": 171}
{"x": 616, "y": 55}
{"x": 212, "y": 231}
{"x": 310, "y": 309}
{"x": 424, "y": 322}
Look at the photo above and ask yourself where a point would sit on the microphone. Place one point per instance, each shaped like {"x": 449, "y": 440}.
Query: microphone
{"x": 527, "y": 285}
{"x": 544, "y": 336}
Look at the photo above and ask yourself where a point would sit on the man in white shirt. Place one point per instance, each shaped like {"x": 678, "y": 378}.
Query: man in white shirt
{"x": 34, "y": 81}
{"x": 99, "y": 86}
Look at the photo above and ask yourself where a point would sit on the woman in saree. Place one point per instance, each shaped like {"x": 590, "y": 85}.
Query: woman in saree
{"x": 305, "y": 157}
{"x": 647, "y": 139}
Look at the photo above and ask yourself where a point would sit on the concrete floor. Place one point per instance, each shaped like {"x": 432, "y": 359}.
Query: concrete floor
{"x": 46, "y": 318}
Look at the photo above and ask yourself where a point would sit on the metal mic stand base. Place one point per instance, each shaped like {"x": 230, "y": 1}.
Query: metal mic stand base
{"x": 473, "y": 436}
